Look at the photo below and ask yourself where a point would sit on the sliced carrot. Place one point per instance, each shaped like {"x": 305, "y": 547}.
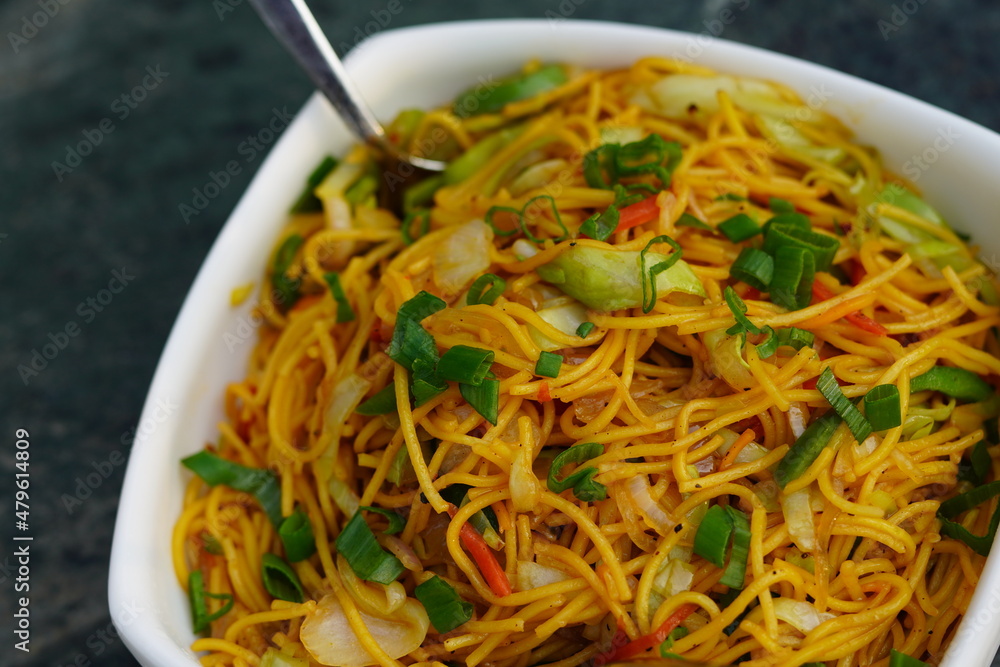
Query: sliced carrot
{"x": 543, "y": 392}
{"x": 858, "y": 272}
{"x": 840, "y": 310}
{"x": 863, "y": 322}
{"x": 745, "y": 439}
{"x": 651, "y": 640}
{"x": 637, "y": 213}
{"x": 503, "y": 516}
{"x": 483, "y": 555}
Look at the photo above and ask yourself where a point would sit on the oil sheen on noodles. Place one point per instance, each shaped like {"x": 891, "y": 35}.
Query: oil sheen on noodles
{"x": 761, "y": 363}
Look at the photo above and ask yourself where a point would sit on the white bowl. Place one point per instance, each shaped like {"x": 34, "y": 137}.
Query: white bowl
{"x": 427, "y": 66}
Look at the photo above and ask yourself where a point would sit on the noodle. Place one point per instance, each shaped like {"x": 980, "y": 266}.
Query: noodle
{"x": 681, "y": 404}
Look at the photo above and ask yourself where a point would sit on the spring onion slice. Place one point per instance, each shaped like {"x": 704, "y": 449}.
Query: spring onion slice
{"x": 601, "y": 225}
{"x": 754, "y": 267}
{"x": 511, "y": 89}
{"x": 795, "y": 337}
{"x": 382, "y": 403}
{"x": 297, "y": 537}
{"x": 958, "y": 382}
{"x": 882, "y": 407}
{"x": 688, "y": 220}
{"x": 711, "y": 541}
{"x": 463, "y": 363}
{"x": 779, "y": 206}
{"x": 445, "y": 608}
{"x": 280, "y": 579}
{"x": 897, "y": 659}
{"x": 769, "y": 345}
{"x": 980, "y": 462}
{"x": 484, "y": 398}
{"x": 798, "y": 220}
{"x": 599, "y": 161}
{"x": 396, "y": 522}
{"x": 828, "y": 386}
{"x": 344, "y": 311}
{"x": 580, "y": 480}
{"x": 668, "y": 643}
{"x": 647, "y": 274}
{"x": 736, "y": 570}
{"x": 200, "y": 617}
{"x": 287, "y": 288}
{"x": 410, "y": 341}
{"x": 549, "y": 364}
{"x": 739, "y": 228}
{"x": 357, "y": 544}
{"x": 422, "y": 217}
{"x": 486, "y": 289}
{"x": 584, "y": 329}
{"x": 521, "y": 217}
{"x": 652, "y": 155}
{"x": 806, "y": 448}
{"x": 307, "y": 201}
{"x": 261, "y": 484}
{"x": 794, "y": 270}
{"x": 420, "y": 196}
{"x": 963, "y": 502}
{"x": 782, "y": 235}
{"x": 739, "y": 309}
{"x": 425, "y": 383}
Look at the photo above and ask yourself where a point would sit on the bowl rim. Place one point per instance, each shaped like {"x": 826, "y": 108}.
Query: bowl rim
{"x": 148, "y": 635}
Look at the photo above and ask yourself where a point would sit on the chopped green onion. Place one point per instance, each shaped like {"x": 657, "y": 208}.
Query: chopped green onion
{"x": 308, "y": 202}
{"x": 357, "y": 544}
{"x": 798, "y": 220}
{"x": 473, "y": 159}
{"x": 210, "y": 544}
{"x": 296, "y": 535}
{"x": 479, "y": 100}
{"x": 739, "y": 228}
{"x": 806, "y": 448}
{"x": 897, "y": 659}
{"x": 584, "y": 329}
{"x": 652, "y": 155}
{"x": 601, "y": 225}
{"x": 688, "y": 220}
{"x": 362, "y": 189}
{"x": 445, "y": 608}
{"x": 580, "y": 480}
{"x": 520, "y": 216}
{"x": 769, "y": 345}
{"x": 779, "y": 205}
{"x": 730, "y": 196}
{"x": 754, "y": 267}
{"x": 950, "y": 508}
{"x": 422, "y": 216}
{"x": 711, "y": 541}
{"x": 344, "y": 311}
{"x": 679, "y": 632}
{"x": 411, "y": 341}
{"x": 623, "y": 198}
{"x": 261, "y": 484}
{"x": 486, "y": 289}
{"x": 795, "y": 337}
{"x": 794, "y": 270}
{"x": 463, "y": 363}
{"x": 980, "y": 461}
{"x": 738, "y": 308}
{"x": 287, "y": 289}
{"x": 882, "y": 407}
{"x": 736, "y": 570}
{"x": 280, "y": 579}
{"x": 396, "y": 522}
{"x": 829, "y": 387}
{"x": 484, "y": 398}
{"x": 548, "y": 364}
{"x": 822, "y": 247}
{"x": 958, "y": 382}
{"x": 599, "y": 161}
{"x": 647, "y": 275}
{"x": 200, "y": 617}
{"x": 382, "y": 403}
{"x": 425, "y": 383}
{"x": 416, "y": 197}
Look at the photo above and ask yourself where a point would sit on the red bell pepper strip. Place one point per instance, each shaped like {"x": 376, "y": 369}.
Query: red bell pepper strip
{"x": 637, "y": 213}
{"x": 863, "y": 322}
{"x": 656, "y": 638}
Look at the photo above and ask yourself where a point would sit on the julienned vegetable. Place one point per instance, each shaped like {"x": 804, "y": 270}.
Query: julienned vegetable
{"x": 357, "y": 544}
{"x": 478, "y": 100}
{"x": 261, "y": 484}
{"x": 445, "y": 608}
{"x": 197, "y": 594}
{"x": 582, "y": 479}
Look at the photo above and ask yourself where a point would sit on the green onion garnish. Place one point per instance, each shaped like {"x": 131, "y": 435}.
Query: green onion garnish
{"x": 484, "y": 398}
{"x": 739, "y": 228}
{"x": 798, "y": 220}
{"x": 679, "y": 632}
{"x": 795, "y": 337}
{"x": 754, "y": 267}
{"x": 606, "y": 164}
{"x": 280, "y": 579}
{"x": 980, "y": 463}
{"x": 599, "y": 161}
{"x": 445, "y": 608}
{"x": 486, "y": 289}
{"x": 473, "y": 159}
{"x": 286, "y": 289}
{"x": 410, "y": 341}
{"x": 963, "y": 502}
{"x": 396, "y": 522}
{"x": 425, "y": 383}
{"x": 794, "y": 271}
{"x": 357, "y": 544}
{"x": 738, "y": 308}
{"x": 382, "y": 403}
{"x": 647, "y": 274}
{"x": 463, "y": 363}
{"x": 779, "y": 205}
{"x": 897, "y": 659}
{"x": 822, "y": 247}
{"x": 210, "y": 544}
{"x": 362, "y": 189}
{"x": 200, "y": 617}
{"x": 769, "y": 345}
{"x": 688, "y": 220}
{"x": 296, "y": 535}
{"x": 882, "y": 407}
{"x": 736, "y": 570}
{"x": 806, "y": 448}
{"x": 580, "y": 480}
{"x": 584, "y": 329}
{"x": 958, "y": 382}
{"x": 344, "y": 311}
{"x": 548, "y": 364}
{"x": 419, "y": 196}
{"x": 307, "y": 202}
{"x": 828, "y": 386}
{"x": 478, "y": 100}
{"x": 261, "y": 484}
{"x": 712, "y": 538}
{"x": 601, "y": 225}
{"x": 422, "y": 217}
{"x": 521, "y": 217}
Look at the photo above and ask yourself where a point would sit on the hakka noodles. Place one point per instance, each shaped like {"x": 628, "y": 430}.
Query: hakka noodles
{"x": 663, "y": 363}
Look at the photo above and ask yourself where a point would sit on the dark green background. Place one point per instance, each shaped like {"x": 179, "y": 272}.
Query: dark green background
{"x": 60, "y": 240}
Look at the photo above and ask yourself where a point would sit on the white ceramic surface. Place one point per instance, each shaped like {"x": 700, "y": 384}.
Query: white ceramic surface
{"x": 426, "y": 66}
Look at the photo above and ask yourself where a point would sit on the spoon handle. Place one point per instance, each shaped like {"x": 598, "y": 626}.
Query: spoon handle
{"x": 296, "y": 27}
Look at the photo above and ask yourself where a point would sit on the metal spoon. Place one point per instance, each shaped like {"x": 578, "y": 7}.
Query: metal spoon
{"x": 296, "y": 28}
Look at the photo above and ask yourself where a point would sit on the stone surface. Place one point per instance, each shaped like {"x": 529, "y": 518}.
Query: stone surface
{"x": 212, "y": 76}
